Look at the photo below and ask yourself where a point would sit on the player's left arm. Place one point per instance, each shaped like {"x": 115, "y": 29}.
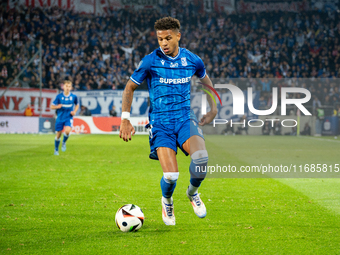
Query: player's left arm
{"x": 75, "y": 108}
{"x": 207, "y": 118}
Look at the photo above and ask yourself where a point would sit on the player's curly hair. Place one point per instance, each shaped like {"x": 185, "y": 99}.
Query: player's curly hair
{"x": 167, "y": 23}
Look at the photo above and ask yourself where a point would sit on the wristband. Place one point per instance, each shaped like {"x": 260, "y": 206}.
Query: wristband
{"x": 125, "y": 116}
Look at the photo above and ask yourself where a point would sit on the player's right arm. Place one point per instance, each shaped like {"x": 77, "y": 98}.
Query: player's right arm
{"x": 55, "y": 107}
{"x": 56, "y": 104}
{"x": 138, "y": 76}
{"x": 126, "y": 129}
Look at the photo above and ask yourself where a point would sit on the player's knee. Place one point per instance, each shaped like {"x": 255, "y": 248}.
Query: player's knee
{"x": 67, "y": 130}
{"x": 171, "y": 177}
{"x": 200, "y": 157}
{"x": 198, "y": 166}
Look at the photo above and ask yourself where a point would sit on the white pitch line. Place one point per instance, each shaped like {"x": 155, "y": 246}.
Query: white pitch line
{"x": 320, "y": 139}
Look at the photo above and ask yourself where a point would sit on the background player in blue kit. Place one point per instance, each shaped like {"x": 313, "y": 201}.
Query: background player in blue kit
{"x": 66, "y": 105}
{"x": 168, "y": 71}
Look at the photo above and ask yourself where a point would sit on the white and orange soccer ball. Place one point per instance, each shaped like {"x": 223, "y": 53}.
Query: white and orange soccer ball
{"x": 129, "y": 218}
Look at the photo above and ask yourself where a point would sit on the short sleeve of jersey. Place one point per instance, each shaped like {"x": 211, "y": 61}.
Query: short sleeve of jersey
{"x": 200, "y": 68}
{"x": 56, "y": 101}
{"x": 142, "y": 70}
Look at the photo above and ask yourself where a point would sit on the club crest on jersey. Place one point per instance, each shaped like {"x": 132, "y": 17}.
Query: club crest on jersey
{"x": 173, "y": 64}
{"x": 184, "y": 61}
{"x": 162, "y": 61}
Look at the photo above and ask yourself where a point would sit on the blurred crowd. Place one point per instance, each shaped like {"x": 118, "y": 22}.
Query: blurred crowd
{"x": 102, "y": 52}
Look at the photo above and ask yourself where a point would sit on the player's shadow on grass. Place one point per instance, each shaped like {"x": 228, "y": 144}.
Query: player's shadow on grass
{"x": 140, "y": 233}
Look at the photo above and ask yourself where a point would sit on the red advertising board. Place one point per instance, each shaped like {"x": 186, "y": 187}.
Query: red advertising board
{"x": 15, "y": 101}
{"x": 106, "y": 125}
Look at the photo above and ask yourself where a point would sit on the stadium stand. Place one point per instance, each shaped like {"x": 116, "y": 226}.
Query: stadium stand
{"x": 101, "y": 52}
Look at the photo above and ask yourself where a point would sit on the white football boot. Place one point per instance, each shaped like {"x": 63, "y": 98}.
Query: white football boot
{"x": 168, "y": 214}
{"x": 63, "y": 147}
{"x": 197, "y": 204}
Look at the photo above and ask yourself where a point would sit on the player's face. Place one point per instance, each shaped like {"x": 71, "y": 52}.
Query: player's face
{"x": 67, "y": 88}
{"x": 168, "y": 40}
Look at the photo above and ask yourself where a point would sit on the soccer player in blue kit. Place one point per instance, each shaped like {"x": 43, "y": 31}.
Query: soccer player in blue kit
{"x": 64, "y": 104}
{"x": 168, "y": 71}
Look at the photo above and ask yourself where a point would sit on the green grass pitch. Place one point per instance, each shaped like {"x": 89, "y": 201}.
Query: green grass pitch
{"x": 66, "y": 204}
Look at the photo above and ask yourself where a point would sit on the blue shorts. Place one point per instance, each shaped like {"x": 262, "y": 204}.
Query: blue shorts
{"x": 59, "y": 125}
{"x": 172, "y": 136}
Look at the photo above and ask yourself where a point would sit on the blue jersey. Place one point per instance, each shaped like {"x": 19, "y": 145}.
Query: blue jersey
{"x": 68, "y": 103}
{"x": 168, "y": 80}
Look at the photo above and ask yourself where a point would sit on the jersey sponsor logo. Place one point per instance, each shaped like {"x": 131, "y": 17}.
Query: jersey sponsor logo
{"x": 67, "y": 105}
{"x": 162, "y": 61}
{"x": 173, "y": 64}
{"x": 175, "y": 81}
{"x": 70, "y": 97}
{"x": 184, "y": 61}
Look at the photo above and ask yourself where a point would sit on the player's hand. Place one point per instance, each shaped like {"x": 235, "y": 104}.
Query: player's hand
{"x": 59, "y": 106}
{"x": 73, "y": 113}
{"x": 206, "y": 119}
{"x": 126, "y": 129}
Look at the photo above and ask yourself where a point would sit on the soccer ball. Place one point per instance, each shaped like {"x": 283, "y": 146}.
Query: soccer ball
{"x": 129, "y": 218}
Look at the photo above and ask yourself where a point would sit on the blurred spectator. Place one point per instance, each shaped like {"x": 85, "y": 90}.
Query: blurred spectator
{"x": 262, "y": 103}
{"x": 113, "y": 112}
{"x": 293, "y": 132}
{"x": 265, "y": 84}
{"x": 277, "y": 128}
{"x": 243, "y": 125}
{"x": 84, "y": 111}
{"x": 28, "y": 111}
{"x": 316, "y": 103}
{"x": 229, "y": 128}
{"x": 320, "y": 115}
{"x": 266, "y": 128}
{"x": 306, "y": 130}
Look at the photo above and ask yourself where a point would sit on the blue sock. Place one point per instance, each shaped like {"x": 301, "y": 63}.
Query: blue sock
{"x": 56, "y": 144}
{"x": 198, "y": 167}
{"x": 65, "y": 138}
{"x": 167, "y": 187}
